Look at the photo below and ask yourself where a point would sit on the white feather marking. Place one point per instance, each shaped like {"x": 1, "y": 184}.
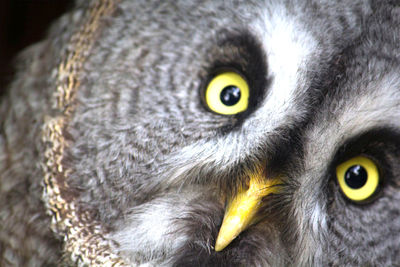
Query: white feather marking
{"x": 151, "y": 232}
{"x": 288, "y": 48}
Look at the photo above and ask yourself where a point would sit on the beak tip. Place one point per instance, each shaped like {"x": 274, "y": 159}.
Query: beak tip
{"x": 219, "y": 246}
{"x": 223, "y": 241}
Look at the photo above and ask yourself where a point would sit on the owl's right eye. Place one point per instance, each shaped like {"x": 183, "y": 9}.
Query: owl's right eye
{"x": 227, "y": 94}
{"x": 358, "y": 178}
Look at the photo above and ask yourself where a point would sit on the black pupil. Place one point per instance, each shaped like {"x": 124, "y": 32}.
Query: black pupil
{"x": 230, "y": 95}
{"x": 356, "y": 176}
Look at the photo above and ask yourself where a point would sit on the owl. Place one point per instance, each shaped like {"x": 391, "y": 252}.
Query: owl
{"x": 205, "y": 133}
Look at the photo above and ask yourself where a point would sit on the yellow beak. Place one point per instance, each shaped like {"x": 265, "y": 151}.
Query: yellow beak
{"x": 241, "y": 210}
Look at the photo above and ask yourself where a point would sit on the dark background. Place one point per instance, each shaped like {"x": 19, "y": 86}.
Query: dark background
{"x": 24, "y": 22}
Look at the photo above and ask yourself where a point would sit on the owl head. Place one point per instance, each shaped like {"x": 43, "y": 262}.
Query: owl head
{"x": 223, "y": 133}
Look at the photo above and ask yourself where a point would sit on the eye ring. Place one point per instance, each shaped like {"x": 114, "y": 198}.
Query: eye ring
{"x": 358, "y": 178}
{"x": 227, "y": 93}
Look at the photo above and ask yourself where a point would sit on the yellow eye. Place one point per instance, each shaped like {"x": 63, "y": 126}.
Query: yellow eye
{"x": 358, "y": 178}
{"x": 227, "y": 94}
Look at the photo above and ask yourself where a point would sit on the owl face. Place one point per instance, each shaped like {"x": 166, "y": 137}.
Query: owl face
{"x": 242, "y": 133}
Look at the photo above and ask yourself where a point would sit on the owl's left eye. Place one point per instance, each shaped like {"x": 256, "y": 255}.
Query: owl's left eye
{"x": 227, "y": 94}
{"x": 358, "y": 178}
